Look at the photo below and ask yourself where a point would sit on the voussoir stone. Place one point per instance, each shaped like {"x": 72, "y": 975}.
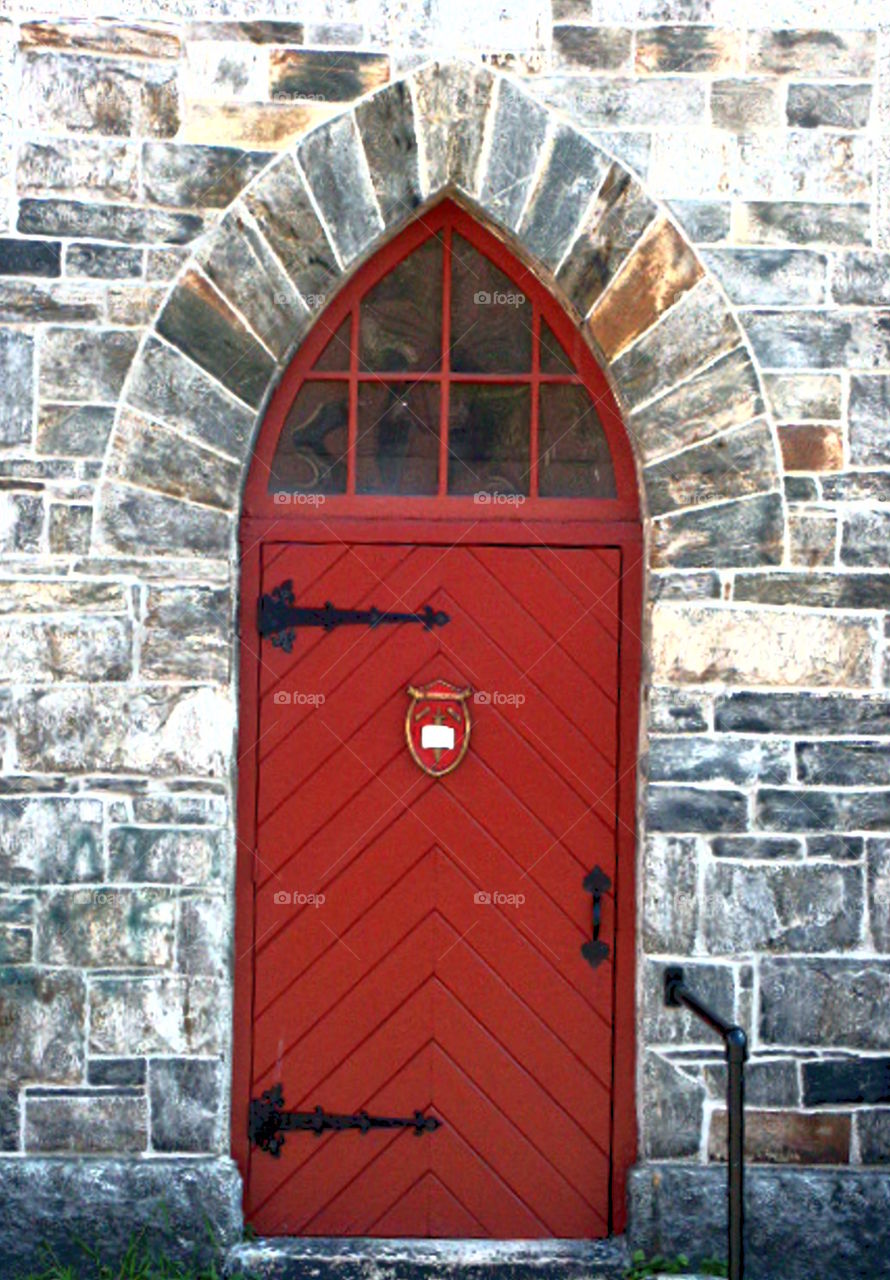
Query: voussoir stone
{"x": 741, "y": 533}
{"x": 136, "y": 521}
{"x": 518, "y": 134}
{"x": 331, "y": 158}
{"x": 730, "y": 465}
{"x": 153, "y": 456}
{"x": 452, "y": 103}
{"x": 386, "y": 126}
{"x": 279, "y": 203}
{"x": 572, "y": 172}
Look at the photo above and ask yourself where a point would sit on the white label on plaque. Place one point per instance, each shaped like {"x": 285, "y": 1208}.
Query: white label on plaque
{"x": 437, "y": 735}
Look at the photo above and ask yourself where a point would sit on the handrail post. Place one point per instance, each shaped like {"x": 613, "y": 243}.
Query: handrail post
{"x": 735, "y": 1041}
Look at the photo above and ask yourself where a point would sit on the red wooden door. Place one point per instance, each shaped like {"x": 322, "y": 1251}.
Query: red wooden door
{"x": 416, "y": 941}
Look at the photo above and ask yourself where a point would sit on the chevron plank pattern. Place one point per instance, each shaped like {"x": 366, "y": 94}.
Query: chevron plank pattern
{"x": 417, "y": 940}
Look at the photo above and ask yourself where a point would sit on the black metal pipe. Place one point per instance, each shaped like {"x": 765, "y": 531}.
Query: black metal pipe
{"x": 677, "y": 994}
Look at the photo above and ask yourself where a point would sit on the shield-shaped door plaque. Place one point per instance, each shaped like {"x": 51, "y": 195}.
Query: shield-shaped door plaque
{"x": 437, "y": 726}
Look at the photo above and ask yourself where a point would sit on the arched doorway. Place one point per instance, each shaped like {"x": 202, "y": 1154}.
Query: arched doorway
{"x": 411, "y": 915}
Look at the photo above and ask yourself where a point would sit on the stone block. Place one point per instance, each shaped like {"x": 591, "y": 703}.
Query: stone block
{"x": 845, "y": 1080}
{"x": 84, "y": 364}
{"x": 794, "y": 396}
{"x": 672, "y": 1106}
{"x": 742, "y": 533}
{"x": 30, "y": 257}
{"x": 107, "y": 927}
{"x": 730, "y": 465}
{"x": 156, "y": 1015}
{"x": 17, "y": 380}
{"x": 156, "y": 730}
{"x": 21, "y": 521}
{"x": 185, "y": 633}
{"x": 806, "y": 164}
{"x": 697, "y": 163}
{"x": 873, "y": 1133}
{"x": 714, "y": 983}
{"x": 264, "y": 126}
{"x": 164, "y": 855}
{"x": 204, "y": 938}
{"x": 856, "y": 486}
{"x": 98, "y": 95}
{"x": 740, "y": 105}
{"x": 869, "y": 420}
{"x": 813, "y": 53}
{"x": 601, "y": 102}
{"x": 723, "y": 758}
{"x": 802, "y": 222}
{"x": 103, "y": 261}
{"x": 330, "y": 76}
{"x": 674, "y": 710}
{"x": 199, "y": 321}
{"x": 50, "y": 839}
{"x": 681, "y": 809}
{"x": 74, "y": 430}
{"x": 385, "y": 123}
{"x": 255, "y": 31}
{"x": 812, "y": 540}
{"x": 713, "y": 644}
{"x": 786, "y": 1137}
{"x": 806, "y": 810}
{"x": 128, "y": 223}
{"x": 756, "y": 847}
{"x": 186, "y": 1096}
{"x": 85, "y": 1123}
{"x": 779, "y": 277}
{"x": 134, "y": 521}
{"x": 686, "y": 586}
{"x": 835, "y": 106}
{"x": 803, "y": 713}
{"x": 146, "y": 454}
{"x": 829, "y": 590}
{"x": 585, "y": 48}
{"x": 280, "y": 205}
{"x": 769, "y": 1082}
{"x": 42, "y": 1020}
{"x": 819, "y": 339}
{"x": 861, "y": 278}
{"x": 116, "y": 37}
{"x": 209, "y": 809}
{"x": 518, "y": 134}
{"x": 843, "y": 764}
{"x": 704, "y": 221}
{"x": 117, "y": 1072}
{"x": 65, "y": 648}
{"x": 331, "y": 157}
{"x": 781, "y": 908}
{"x": 811, "y": 447}
{"x": 88, "y": 168}
{"x": 30, "y": 301}
{"x": 660, "y": 269}
{"x": 824, "y": 1001}
{"x": 838, "y": 848}
{"x": 225, "y": 70}
{"x": 172, "y": 389}
{"x": 687, "y": 49}
{"x": 670, "y": 901}
{"x": 864, "y": 539}
{"x": 878, "y": 875}
{"x": 190, "y": 176}
{"x": 452, "y": 104}
{"x": 572, "y": 173}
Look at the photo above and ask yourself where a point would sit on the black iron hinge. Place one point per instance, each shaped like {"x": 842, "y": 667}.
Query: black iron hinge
{"x": 268, "y": 1121}
{"x": 278, "y": 616}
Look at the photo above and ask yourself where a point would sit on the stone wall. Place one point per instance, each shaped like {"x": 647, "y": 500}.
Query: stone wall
{"x": 750, "y": 200}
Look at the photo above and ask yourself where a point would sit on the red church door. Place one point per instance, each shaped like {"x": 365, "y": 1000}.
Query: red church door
{"x": 434, "y": 1002}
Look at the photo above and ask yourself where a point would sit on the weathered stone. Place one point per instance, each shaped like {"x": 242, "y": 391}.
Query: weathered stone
{"x": 740, "y": 105}
{"x": 837, "y": 848}
{"x": 800, "y": 489}
{"x": 718, "y": 759}
{"x": 631, "y": 148}
{"x": 99, "y": 95}
{"x": 713, "y": 982}
{"x": 611, "y": 229}
{"x": 810, "y": 164}
{"x": 62, "y": 595}
{"x": 572, "y": 173}
{"x": 690, "y": 49}
{"x": 164, "y": 855}
{"x": 189, "y": 176}
{"x": 806, "y": 713}
{"x": 812, "y": 540}
{"x": 263, "y": 31}
{"x": 869, "y": 418}
{"x": 878, "y": 870}
{"x": 725, "y": 394}
{"x": 730, "y": 465}
{"x": 784, "y": 1137}
{"x": 16, "y": 947}
{"x": 30, "y": 257}
{"x": 147, "y": 454}
{"x": 743, "y": 533}
{"x": 781, "y": 908}
{"x": 769, "y": 1082}
{"x": 873, "y": 1133}
{"x": 17, "y": 380}
{"x": 103, "y": 261}
{"x": 116, "y": 1072}
{"x": 824, "y": 1001}
{"x": 163, "y": 263}
{"x": 819, "y": 339}
{"x": 771, "y": 276}
{"x": 102, "y": 1202}
{"x": 802, "y": 222}
{"x": 107, "y": 222}
{"x": 333, "y": 77}
{"x": 265, "y": 126}
{"x": 84, "y": 364}
{"x": 105, "y": 927}
{"x": 675, "y": 808}
{"x": 856, "y": 486}
{"x": 199, "y": 321}
{"x": 174, "y": 390}
{"x": 203, "y": 809}
{"x": 704, "y": 221}
{"x": 597, "y": 102}
{"x": 135, "y": 521}
{"x": 693, "y": 163}
{"x": 65, "y": 648}
{"x": 386, "y": 128}
{"x": 670, "y": 900}
{"x": 518, "y": 133}
{"x": 864, "y": 538}
{"x": 794, "y": 396}
{"x": 84, "y": 167}
{"x": 451, "y": 106}
{"x": 203, "y": 941}
{"x": 757, "y": 847}
{"x": 843, "y": 764}
{"x": 21, "y": 521}
{"x": 587, "y": 48}
{"x": 85, "y": 1122}
{"x": 665, "y": 356}
{"x": 117, "y": 37}
{"x": 134, "y": 304}
{"x": 331, "y": 157}
{"x": 186, "y": 633}
{"x": 660, "y": 270}
{"x": 811, "y": 447}
{"x": 27, "y": 301}
{"x": 846, "y": 1080}
{"x": 816, "y": 590}
{"x": 837, "y": 106}
{"x": 185, "y": 1104}
{"x": 673, "y": 1102}
{"x": 709, "y": 644}
{"x": 155, "y": 1015}
{"x": 810, "y": 810}
{"x": 183, "y": 729}
{"x": 50, "y": 839}
{"x": 79, "y": 431}
{"x": 812, "y": 53}
{"x": 678, "y": 711}
{"x": 282, "y": 210}
{"x": 41, "y": 1025}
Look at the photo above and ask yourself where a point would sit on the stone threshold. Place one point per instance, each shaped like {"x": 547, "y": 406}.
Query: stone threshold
{"x": 287, "y": 1258}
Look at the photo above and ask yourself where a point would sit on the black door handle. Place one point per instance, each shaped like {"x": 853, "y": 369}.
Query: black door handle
{"x": 597, "y": 883}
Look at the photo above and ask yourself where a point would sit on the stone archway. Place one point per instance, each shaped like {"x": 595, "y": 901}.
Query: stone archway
{"x": 657, "y": 321}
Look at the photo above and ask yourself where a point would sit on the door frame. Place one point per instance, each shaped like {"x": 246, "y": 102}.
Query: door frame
{"x": 392, "y": 527}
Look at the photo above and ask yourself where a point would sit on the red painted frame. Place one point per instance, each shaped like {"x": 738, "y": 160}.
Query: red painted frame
{"x": 550, "y": 522}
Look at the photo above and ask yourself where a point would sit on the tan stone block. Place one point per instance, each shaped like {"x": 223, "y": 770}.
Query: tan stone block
{"x": 267, "y": 125}
{"x": 661, "y": 268}
{"x": 779, "y": 648}
{"x": 678, "y": 50}
{"x": 787, "y": 1137}
{"x": 811, "y": 447}
{"x": 122, "y": 38}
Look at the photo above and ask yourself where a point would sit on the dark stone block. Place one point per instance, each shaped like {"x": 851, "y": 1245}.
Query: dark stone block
{"x": 856, "y": 486}
{"x": 10, "y": 1119}
{"x": 738, "y": 534}
{"x": 869, "y": 418}
{"x": 800, "y": 222}
{"x": 706, "y": 759}
{"x": 769, "y": 1082}
{"x": 730, "y": 465}
{"x": 672, "y": 1109}
{"x": 572, "y": 174}
{"x": 808, "y": 713}
{"x": 837, "y": 106}
{"x": 591, "y": 48}
{"x": 30, "y": 257}
{"x": 822, "y": 1001}
{"x": 846, "y": 1080}
{"x": 520, "y": 125}
{"x": 331, "y": 158}
{"x": 190, "y": 176}
{"x": 116, "y": 1072}
{"x": 816, "y": 590}
{"x": 79, "y": 431}
{"x": 779, "y": 277}
{"x": 386, "y": 127}
{"x": 712, "y": 982}
{"x": 766, "y": 847}
{"x": 17, "y": 381}
{"x": 681, "y": 1208}
{"x": 809, "y": 810}
{"x": 102, "y": 1203}
{"x": 704, "y": 221}
{"x": 107, "y": 222}
{"x": 103, "y": 261}
{"x": 696, "y": 809}
{"x": 838, "y": 848}
{"x": 865, "y": 539}
{"x": 185, "y": 1101}
{"x": 862, "y": 279}
{"x": 136, "y": 521}
{"x": 781, "y": 907}
{"x": 873, "y": 1129}
{"x": 819, "y": 339}
{"x": 800, "y": 489}
{"x": 677, "y": 711}
{"x": 844, "y": 764}
{"x": 283, "y": 211}
{"x": 147, "y": 454}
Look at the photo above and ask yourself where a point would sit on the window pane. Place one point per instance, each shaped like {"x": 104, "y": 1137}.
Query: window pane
{"x": 398, "y": 438}
{"x": 553, "y": 356}
{"x": 488, "y": 433}
{"x": 401, "y": 317}
{"x": 573, "y": 456}
{"x": 311, "y": 454}
{"x": 336, "y": 354}
{"x": 491, "y": 320}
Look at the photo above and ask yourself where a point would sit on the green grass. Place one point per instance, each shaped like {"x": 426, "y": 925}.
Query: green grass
{"x": 138, "y": 1263}
{"x": 642, "y": 1267}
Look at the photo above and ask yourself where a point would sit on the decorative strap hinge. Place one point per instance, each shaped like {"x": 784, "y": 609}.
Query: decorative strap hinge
{"x": 268, "y": 1121}
{"x": 279, "y": 617}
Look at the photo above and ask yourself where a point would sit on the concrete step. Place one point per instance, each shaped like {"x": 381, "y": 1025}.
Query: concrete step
{"x": 285, "y": 1258}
